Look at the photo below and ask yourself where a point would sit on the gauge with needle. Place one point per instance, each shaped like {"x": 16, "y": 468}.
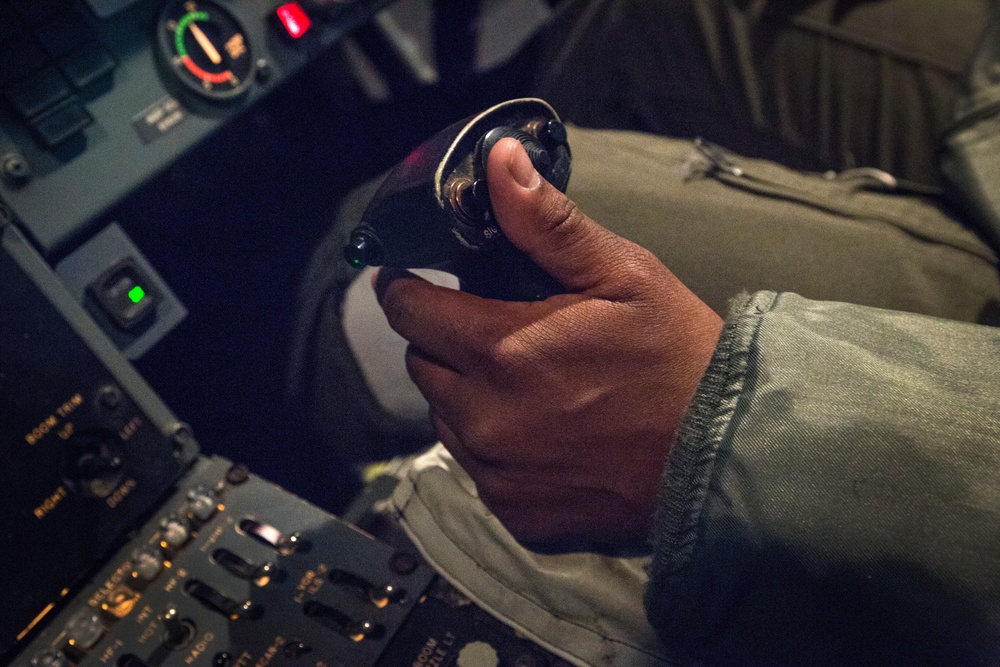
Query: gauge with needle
{"x": 205, "y": 43}
{"x": 206, "y": 49}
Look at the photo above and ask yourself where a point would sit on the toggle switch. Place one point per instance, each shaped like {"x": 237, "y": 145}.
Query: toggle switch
{"x": 265, "y": 533}
{"x": 244, "y": 569}
{"x": 218, "y": 602}
{"x": 341, "y": 623}
{"x": 223, "y": 659}
{"x": 296, "y": 648}
{"x": 380, "y": 596}
{"x": 177, "y": 631}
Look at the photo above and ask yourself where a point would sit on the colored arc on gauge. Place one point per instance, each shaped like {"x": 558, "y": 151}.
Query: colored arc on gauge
{"x": 188, "y": 21}
{"x": 205, "y": 49}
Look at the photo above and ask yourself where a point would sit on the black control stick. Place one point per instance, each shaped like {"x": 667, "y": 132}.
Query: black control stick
{"x": 434, "y": 209}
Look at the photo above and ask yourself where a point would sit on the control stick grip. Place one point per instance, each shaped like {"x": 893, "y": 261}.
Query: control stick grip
{"x": 434, "y": 210}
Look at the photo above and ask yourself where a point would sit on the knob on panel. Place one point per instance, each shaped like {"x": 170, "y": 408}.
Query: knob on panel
{"x": 84, "y": 630}
{"x": 146, "y": 564}
{"x": 202, "y": 504}
{"x": 50, "y": 659}
{"x": 94, "y": 461}
{"x": 174, "y": 532}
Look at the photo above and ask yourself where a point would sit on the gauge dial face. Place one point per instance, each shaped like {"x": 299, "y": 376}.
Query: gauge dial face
{"x": 206, "y": 48}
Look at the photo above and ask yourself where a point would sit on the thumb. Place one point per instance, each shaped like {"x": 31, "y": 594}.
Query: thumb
{"x": 548, "y": 227}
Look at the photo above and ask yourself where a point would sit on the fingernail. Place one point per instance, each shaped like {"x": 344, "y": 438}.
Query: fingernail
{"x": 522, "y": 170}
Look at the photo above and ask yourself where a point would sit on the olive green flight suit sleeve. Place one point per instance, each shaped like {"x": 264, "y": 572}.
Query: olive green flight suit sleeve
{"x": 834, "y": 494}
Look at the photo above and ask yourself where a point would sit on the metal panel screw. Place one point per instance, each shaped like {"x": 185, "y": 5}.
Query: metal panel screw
{"x": 109, "y": 396}
{"x": 15, "y": 169}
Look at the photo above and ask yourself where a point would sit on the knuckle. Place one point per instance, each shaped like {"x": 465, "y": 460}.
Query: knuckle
{"x": 633, "y": 259}
{"x": 483, "y": 437}
{"x": 563, "y": 220}
{"x": 480, "y": 440}
{"x": 639, "y": 270}
{"x": 561, "y": 212}
{"x": 574, "y": 233}
{"x": 639, "y": 264}
{"x": 511, "y": 355}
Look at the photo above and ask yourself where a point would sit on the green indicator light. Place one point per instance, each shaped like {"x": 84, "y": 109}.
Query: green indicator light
{"x": 136, "y": 294}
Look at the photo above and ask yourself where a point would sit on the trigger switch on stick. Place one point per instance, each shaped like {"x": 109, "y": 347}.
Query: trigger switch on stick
{"x": 364, "y": 249}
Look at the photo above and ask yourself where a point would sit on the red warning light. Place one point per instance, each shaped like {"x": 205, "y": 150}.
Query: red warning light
{"x": 294, "y": 18}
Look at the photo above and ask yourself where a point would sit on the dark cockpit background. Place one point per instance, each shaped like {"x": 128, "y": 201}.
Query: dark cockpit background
{"x": 229, "y": 216}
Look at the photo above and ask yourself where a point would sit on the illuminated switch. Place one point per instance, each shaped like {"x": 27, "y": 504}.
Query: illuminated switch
{"x": 174, "y": 533}
{"x": 380, "y": 596}
{"x": 146, "y": 564}
{"x": 293, "y": 19}
{"x": 284, "y": 544}
{"x": 84, "y": 630}
{"x": 126, "y": 295}
{"x": 202, "y": 504}
{"x": 119, "y": 602}
{"x": 216, "y": 601}
{"x": 50, "y": 659}
{"x": 341, "y": 623}
{"x": 244, "y": 569}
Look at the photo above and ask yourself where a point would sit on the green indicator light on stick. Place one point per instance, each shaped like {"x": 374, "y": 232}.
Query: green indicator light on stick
{"x": 136, "y": 294}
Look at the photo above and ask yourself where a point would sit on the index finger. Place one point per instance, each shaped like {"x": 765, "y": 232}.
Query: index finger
{"x": 452, "y": 326}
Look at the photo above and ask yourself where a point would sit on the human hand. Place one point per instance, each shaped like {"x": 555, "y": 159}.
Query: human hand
{"x": 563, "y": 411}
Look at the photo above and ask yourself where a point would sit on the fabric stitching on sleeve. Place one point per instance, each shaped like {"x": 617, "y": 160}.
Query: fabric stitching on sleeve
{"x": 692, "y": 462}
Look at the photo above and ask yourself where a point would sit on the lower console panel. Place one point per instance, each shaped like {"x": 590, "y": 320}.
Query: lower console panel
{"x": 237, "y": 572}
